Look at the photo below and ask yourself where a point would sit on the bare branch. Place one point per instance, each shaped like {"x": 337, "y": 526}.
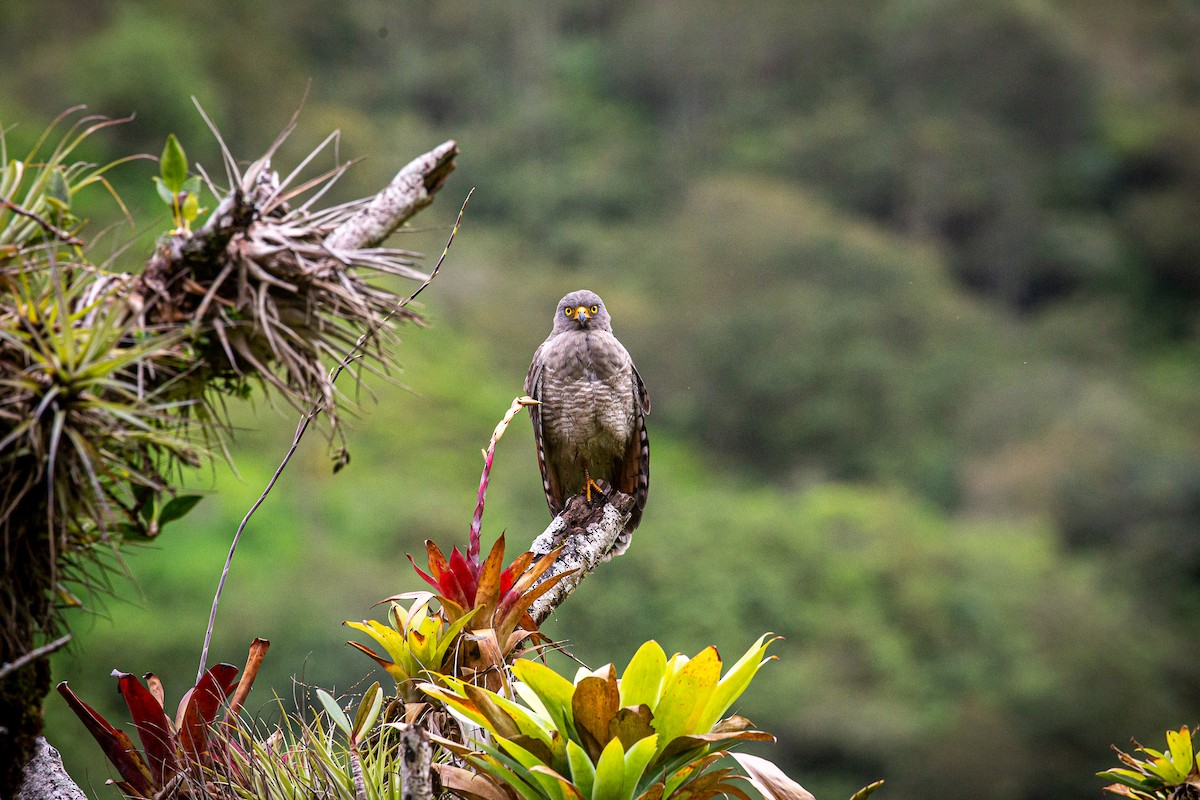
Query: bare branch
{"x": 416, "y": 764}
{"x": 589, "y": 532}
{"x": 34, "y": 655}
{"x": 411, "y": 190}
{"x": 45, "y": 778}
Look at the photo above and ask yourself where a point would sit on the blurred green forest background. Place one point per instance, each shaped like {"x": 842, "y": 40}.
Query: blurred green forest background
{"x": 914, "y": 286}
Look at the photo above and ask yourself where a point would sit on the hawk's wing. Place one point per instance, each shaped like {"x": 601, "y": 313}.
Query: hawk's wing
{"x": 533, "y": 388}
{"x": 635, "y": 478}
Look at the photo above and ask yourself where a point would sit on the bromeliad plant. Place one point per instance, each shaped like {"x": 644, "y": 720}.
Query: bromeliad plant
{"x": 416, "y": 640}
{"x": 483, "y": 618}
{"x": 490, "y": 603}
{"x": 331, "y": 756}
{"x": 492, "y": 596}
{"x": 173, "y": 751}
{"x": 647, "y": 735}
{"x": 1173, "y": 773}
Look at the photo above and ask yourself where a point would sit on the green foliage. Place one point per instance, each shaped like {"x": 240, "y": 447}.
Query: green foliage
{"x": 89, "y": 426}
{"x": 85, "y": 439}
{"x": 39, "y": 189}
{"x": 175, "y": 188}
{"x": 417, "y": 641}
{"x": 647, "y": 734}
{"x": 1031, "y": 168}
{"x": 1173, "y": 773}
{"x": 318, "y": 758}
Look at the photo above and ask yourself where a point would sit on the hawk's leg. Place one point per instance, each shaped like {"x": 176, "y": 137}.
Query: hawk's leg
{"x": 588, "y": 484}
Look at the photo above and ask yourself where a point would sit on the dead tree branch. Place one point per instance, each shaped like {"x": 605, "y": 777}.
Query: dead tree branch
{"x": 45, "y": 778}
{"x": 588, "y": 531}
{"x": 33, "y": 655}
{"x": 416, "y": 764}
{"x": 411, "y": 190}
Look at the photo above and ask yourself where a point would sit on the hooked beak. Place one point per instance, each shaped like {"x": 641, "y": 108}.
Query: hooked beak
{"x": 582, "y": 315}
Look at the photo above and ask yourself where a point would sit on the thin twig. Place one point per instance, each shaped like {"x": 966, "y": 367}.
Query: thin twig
{"x": 57, "y": 233}
{"x": 302, "y": 426}
{"x": 34, "y": 655}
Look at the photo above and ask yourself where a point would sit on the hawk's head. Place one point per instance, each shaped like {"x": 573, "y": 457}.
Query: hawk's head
{"x": 581, "y": 310}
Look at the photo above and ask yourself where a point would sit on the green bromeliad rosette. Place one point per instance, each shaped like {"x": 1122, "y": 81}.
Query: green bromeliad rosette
{"x": 648, "y": 734}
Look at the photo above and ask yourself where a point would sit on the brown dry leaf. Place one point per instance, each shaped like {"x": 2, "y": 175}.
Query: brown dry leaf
{"x": 593, "y": 705}
{"x": 471, "y": 785}
{"x": 770, "y": 780}
{"x": 631, "y": 724}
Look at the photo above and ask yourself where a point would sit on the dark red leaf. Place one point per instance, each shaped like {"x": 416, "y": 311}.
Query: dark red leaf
{"x": 117, "y": 745}
{"x": 203, "y": 702}
{"x": 258, "y": 651}
{"x": 466, "y": 578}
{"x": 511, "y": 613}
{"x": 426, "y": 576}
{"x": 153, "y": 727}
{"x": 510, "y": 574}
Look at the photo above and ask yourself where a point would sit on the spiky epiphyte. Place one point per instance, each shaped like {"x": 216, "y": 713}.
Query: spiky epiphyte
{"x": 107, "y": 379}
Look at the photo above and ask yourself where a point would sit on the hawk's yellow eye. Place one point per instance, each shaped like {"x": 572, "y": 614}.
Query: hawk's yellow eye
{"x": 594, "y": 310}
{"x": 570, "y": 312}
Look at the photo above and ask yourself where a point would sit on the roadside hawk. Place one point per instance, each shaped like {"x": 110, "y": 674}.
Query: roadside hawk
{"x": 590, "y": 423}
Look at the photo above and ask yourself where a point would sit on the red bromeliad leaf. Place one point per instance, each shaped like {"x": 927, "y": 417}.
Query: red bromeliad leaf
{"x": 453, "y": 584}
{"x": 153, "y": 727}
{"x": 258, "y": 651}
{"x": 529, "y": 576}
{"x": 513, "y": 571}
{"x": 514, "y": 611}
{"x": 199, "y": 708}
{"x": 116, "y": 744}
{"x": 437, "y": 560}
{"x": 487, "y": 591}
{"x": 466, "y": 577}
{"x": 425, "y": 576}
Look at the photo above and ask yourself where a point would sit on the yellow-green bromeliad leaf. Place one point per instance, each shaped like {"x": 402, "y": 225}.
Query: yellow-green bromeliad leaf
{"x": 685, "y": 697}
{"x": 736, "y": 681}
{"x": 643, "y": 678}
{"x": 553, "y": 690}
